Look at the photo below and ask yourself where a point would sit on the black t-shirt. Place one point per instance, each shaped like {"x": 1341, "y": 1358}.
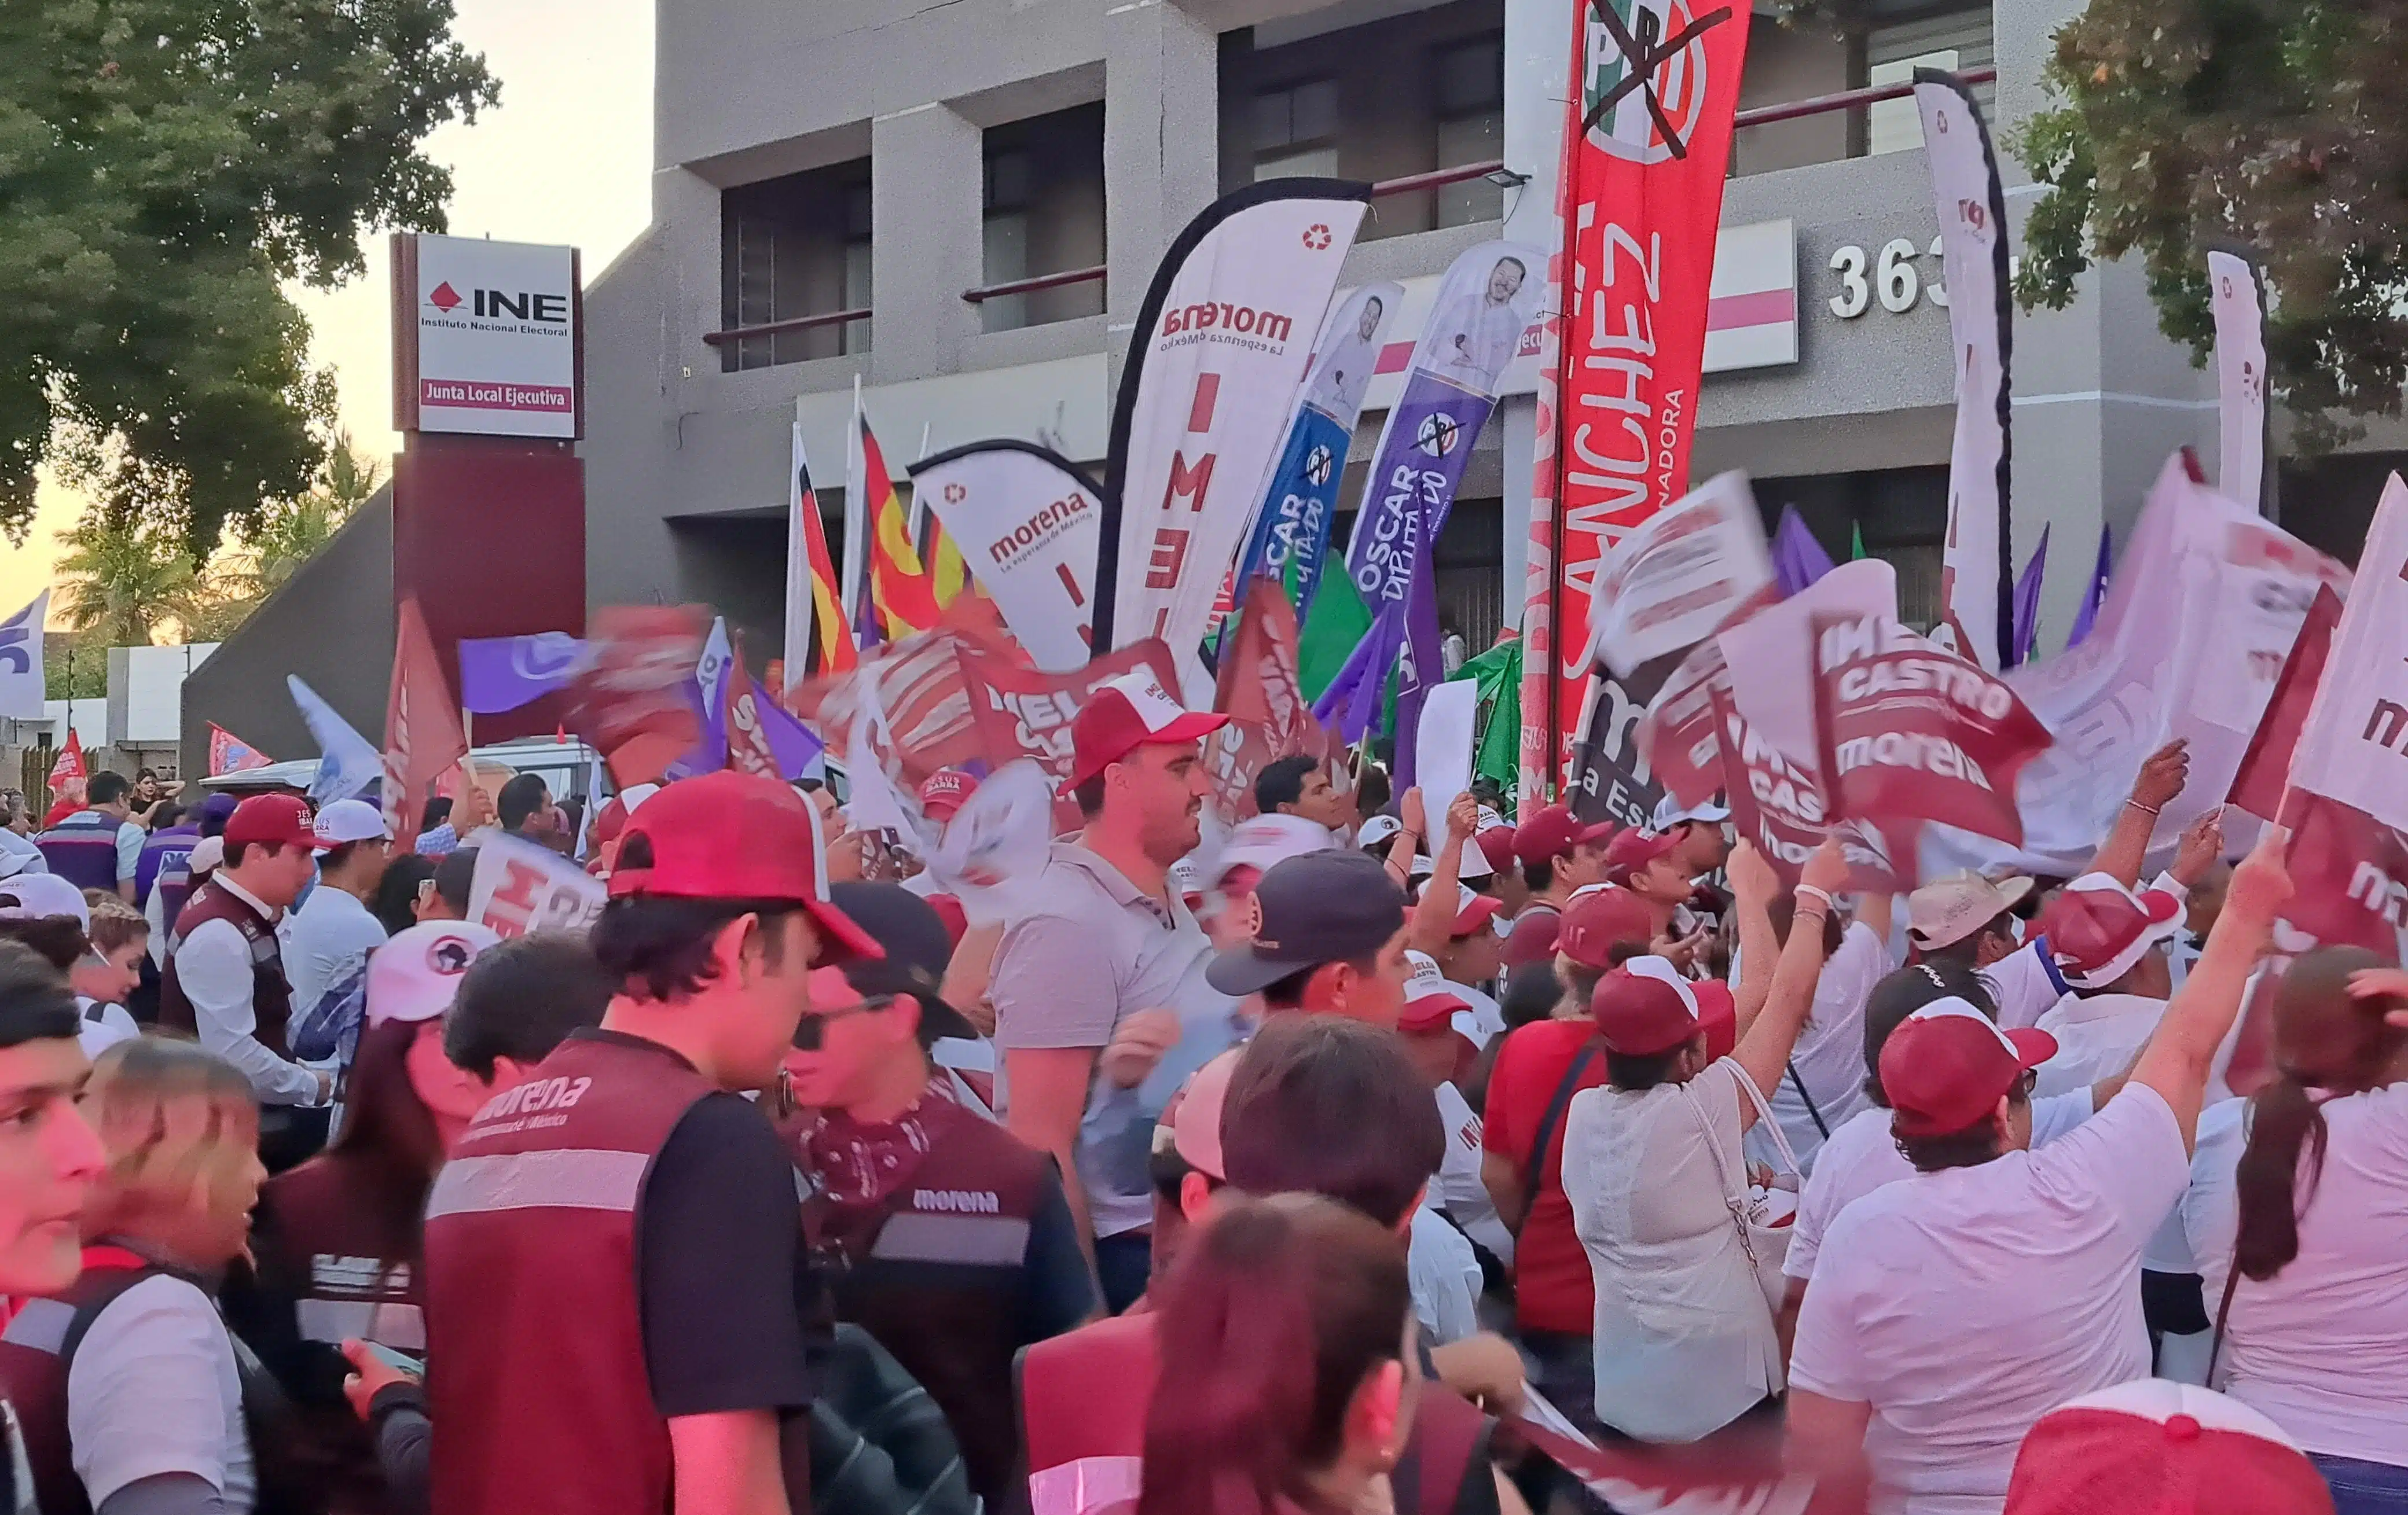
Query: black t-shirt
{"x": 720, "y": 1270}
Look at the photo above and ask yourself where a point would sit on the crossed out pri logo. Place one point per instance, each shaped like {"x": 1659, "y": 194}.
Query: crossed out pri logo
{"x": 1316, "y": 466}
{"x": 1645, "y": 85}
{"x": 1316, "y": 238}
{"x": 1438, "y": 434}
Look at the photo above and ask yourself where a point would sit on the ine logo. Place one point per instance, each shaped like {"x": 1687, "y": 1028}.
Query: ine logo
{"x": 496, "y": 305}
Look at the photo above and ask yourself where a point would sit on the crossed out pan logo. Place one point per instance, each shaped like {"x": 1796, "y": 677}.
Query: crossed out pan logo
{"x": 1645, "y": 76}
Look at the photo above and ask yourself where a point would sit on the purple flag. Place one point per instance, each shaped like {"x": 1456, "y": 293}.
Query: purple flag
{"x": 1424, "y": 665}
{"x": 2027, "y": 626}
{"x": 790, "y": 741}
{"x": 2096, "y": 594}
{"x": 502, "y": 673}
{"x": 1798, "y": 557}
{"x": 1352, "y": 697}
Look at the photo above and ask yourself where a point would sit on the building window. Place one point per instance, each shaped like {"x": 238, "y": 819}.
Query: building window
{"x": 1952, "y": 40}
{"x": 793, "y": 247}
{"x": 1296, "y": 131}
{"x": 1043, "y": 212}
{"x": 1470, "y": 94}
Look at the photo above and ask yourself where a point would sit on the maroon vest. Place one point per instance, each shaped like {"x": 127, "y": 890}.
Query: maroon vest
{"x": 1083, "y": 1399}
{"x": 937, "y": 1276}
{"x": 34, "y": 1353}
{"x": 271, "y": 993}
{"x": 534, "y": 1344}
{"x": 334, "y": 1244}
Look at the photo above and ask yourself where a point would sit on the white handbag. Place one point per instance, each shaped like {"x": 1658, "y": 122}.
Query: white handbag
{"x": 1766, "y": 1246}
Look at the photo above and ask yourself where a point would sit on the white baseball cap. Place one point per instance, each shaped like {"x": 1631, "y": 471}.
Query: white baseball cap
{"x": 1377, "y": 829}
{"x": 1671, "y": 812}
{"x": 38, "y": 897}
{"x": 416, "y": 975}
{"x": 349, "y": 820}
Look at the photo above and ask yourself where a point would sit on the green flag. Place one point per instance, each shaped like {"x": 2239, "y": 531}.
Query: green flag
{"x": 1498, "y": 671}
{"x": 1856, "y": 542}
{"x": 1332, "y": 627}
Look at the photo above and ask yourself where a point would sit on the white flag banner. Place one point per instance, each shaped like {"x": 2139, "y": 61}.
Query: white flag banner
{"x": 1771, "y": 655}
{"x": 1221, "y": 346}
{"x": 23, "y": 687}
{"x": 347, "y": 763}
{"x": 1678, "y": 576}
{"x": 2239, "y": 312}
{"x": 2354, "y": 746}
{"x": 1976, "y": 568}
{"x": 517, "y": 887}
{"x": 1449, "y": 726}
{"x": 1027, "y": 522}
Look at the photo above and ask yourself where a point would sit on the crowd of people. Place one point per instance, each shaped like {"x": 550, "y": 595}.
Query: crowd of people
{"x": 1361, "y": 1158}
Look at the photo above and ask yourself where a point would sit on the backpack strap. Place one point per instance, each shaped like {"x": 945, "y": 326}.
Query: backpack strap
{"x": 1449, "y": 1442}
{"x": 2223, "y": 1313}
{"x": 1532, "y": 1169}
{"x": 1814, "y": 1112}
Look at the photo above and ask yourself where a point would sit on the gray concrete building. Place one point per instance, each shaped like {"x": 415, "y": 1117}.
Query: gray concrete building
{"x": 888, "y": 163}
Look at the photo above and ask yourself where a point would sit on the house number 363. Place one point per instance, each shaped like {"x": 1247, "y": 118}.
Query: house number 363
{"x": 1893, "y": 277}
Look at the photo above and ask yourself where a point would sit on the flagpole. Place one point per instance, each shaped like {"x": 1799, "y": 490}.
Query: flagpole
{"x": 856, "y": 515}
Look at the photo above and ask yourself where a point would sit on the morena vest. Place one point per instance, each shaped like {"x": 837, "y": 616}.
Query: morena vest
{"x": 937, "y": 1277}
{"x": 535, "y": 1342}
{"x": 333, "y": 1239}
{"x": 1083, "y": 1399}
{"x": 166, "y": 863}
{"x": 83, "y": 849}
{"x": 271, "y": 992}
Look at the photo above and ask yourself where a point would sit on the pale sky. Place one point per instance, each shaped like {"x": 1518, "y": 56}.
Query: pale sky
{"x": 566, "y": 158}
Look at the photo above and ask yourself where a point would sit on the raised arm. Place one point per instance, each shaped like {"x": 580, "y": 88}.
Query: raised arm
{"x": 2179, "y": 1056}
{"x": 1434, "y": 916}
{"x": 2160, "y": 779}
{"x": 1764, "y": 1048}
{"x": 1753, "y": 883}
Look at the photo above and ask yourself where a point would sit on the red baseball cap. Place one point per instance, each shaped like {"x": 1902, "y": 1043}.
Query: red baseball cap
{"x": 1947, "y": 1066}
{"x": 1553, "y": 833}
{"x": 946, "y": 790}
{"x": 1431, "y": 1010}
{"x": 1497, "y": 844}
{"x": 1473, "y": 911}
{"x": 1717, "y": 1017}
{"x": 1634, "y": 849}
{"x": 1125, "y": 714}
{"x": 2170, "y": 1448}
{"x": 1643, "y": 1007}
{"x": 736, "y": 835}
{"x": 2097, "y": 929}
{"x": 272, "y": 817}
{"x": 1600, "y": 920}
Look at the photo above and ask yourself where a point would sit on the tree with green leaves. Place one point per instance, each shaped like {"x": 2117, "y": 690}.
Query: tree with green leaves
{"x": 2183, "y": 127}
{"x": 165, "y": 167}
{"x": 122, "y": 577}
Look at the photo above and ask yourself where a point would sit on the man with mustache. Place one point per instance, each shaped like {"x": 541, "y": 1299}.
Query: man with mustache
{"x": 1107, "y": 968}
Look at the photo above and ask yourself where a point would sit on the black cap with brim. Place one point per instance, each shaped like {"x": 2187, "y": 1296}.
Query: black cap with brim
{"x": 1325, "y": 906}
{"x": 917, "y": 950}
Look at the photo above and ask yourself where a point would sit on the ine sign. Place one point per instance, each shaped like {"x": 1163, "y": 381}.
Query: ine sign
{"x": 487, "y": 338}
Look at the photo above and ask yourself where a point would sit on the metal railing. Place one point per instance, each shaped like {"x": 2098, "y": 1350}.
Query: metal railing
{"x": 1408, "y": 184}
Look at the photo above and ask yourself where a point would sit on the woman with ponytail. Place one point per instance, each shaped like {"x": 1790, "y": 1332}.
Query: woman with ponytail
{"x": 1286, "y": 1328}
{"x": 2298, "y": 1216}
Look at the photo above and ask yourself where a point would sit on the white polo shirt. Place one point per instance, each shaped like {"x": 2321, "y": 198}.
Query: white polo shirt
{"x": 1965, "y": 1305}
{"x": 1829, "y": 1056}
{"x": 2097, "y": 1037}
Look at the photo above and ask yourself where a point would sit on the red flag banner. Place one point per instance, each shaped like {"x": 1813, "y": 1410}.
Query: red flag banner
{"x": 2265, "y": 766}
{"x": 1780, "y": 808}
{"x": 630, "y": 699}
{"x": 747, "y": 745}
{"x": 1906, "y": 733}
{"x": 69, "y": 767}
{"x": 1027, "y": 712}
{"x": 1647, "y": 140}
{"x": 922, "y": 690}
{"x": 422, "y": 737}
{"x": 230, "y": 753}
{"x": 1268, "y": 715}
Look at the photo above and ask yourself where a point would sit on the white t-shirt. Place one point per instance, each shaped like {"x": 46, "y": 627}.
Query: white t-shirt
{"x": 1683, "y": 1337}
{"x": 1444, "y": 1274}
{"x": 1830, "y": 1052}
{"x": 103, "y": 1026}
{"x": 2321, "y": 1347}
{"x": 1965, "y": 1305}
{"x": 1862, "y": 1156}
{"x": 1457, "y": 1189}
{"x": 325, "y": 941}
{"x": 154, "y": 1389}
{"x": 2096, "y": 1038}
{"x": 2024, "y": 985}
{"x": 1487, "y": 1017}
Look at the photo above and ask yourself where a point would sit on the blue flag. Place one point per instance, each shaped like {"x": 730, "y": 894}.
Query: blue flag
{"x": 502, "y": 673}
{"x": 346, "y": 764}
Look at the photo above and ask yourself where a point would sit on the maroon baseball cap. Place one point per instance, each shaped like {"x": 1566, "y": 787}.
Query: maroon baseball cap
{"x": 2165, "y": 1448}
{"x": 1644, "y": 1008}
{"x": 947, "y": 790}
{"x": 1947, "y": 1066}
{"x": 1553, "y": 832}
{"x": 1717, "y": 1017}
{"x": 1599, "y": 920}
{"x": 272, "y": 817}
{"x": 1125, "y": 714}
{"x": 1634, "y": 849}
{"x": 736, "y": 835}
{"x": 2097, "y": 929}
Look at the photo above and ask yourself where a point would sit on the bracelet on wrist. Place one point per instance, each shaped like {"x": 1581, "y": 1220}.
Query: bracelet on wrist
{"x": 2146, "y": 809}
{"x": 1812, "y": 892}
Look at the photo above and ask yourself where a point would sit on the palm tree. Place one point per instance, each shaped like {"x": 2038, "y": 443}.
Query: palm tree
{"x": 121, "y": 577}
{"x": 286, "y": 534}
